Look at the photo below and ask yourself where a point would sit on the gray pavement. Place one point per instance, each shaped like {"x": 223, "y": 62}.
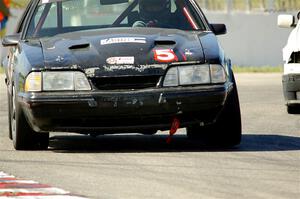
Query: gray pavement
{"x": 265, "y": 165}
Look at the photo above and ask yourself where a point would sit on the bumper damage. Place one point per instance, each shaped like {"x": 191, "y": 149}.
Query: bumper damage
{"x": 291, "y": 88}
{"x": 123, "y": 111}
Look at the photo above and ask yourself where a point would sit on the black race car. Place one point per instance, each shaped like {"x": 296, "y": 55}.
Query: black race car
{"x": 119, "y": 66}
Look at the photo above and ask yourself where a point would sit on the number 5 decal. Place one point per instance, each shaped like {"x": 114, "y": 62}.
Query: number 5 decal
{"x": 165, "y": 55}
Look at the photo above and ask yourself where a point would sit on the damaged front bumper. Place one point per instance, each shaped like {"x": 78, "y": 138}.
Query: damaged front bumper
{"x": 291, "y": 88}
{"x": 123, "y": 111}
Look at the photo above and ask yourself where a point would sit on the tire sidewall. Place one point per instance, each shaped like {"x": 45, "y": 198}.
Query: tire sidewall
{"x": 9, "y": 105}
{"x": 16, "y": 133}
{"x": 227, "y": 131}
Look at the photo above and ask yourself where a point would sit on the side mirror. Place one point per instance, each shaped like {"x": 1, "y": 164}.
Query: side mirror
{"x": 286, "y": 21}
{"x": 219, "y": 29}
{"x": 11, "y": 40}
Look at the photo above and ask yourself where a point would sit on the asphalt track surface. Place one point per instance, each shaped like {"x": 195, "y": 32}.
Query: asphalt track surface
{"x": 265, "y": 165}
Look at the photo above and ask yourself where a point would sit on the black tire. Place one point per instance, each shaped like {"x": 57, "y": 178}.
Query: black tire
{"x": 227, "y": 131}
{"x": 24, "y": 138}
{"x": 9, "y": 104}
{"x": 293, "y": 109}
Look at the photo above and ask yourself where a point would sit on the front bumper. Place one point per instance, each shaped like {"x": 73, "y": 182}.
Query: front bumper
{"x": 291, "y": 86}
{"x": 123, "y": 111}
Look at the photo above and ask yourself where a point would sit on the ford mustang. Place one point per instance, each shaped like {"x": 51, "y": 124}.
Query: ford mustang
{"x": 119, "y": 66}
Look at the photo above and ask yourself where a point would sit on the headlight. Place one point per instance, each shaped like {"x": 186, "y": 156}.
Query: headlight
{"x": 171, "y": 78}
{"x": 195, "y": 75}
{"x": 81, "y": 82}
{"x": 217, "y": 74}
{"x": 57, "y": 81}
{"x": 33, "y": 82}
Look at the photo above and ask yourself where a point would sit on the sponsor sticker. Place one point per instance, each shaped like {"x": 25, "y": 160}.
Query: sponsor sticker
{"x": 120, "y": 40}
{"x": 165, "y": 55}
{"x": 120, "y": 60}
{"x": 188, "y": 52}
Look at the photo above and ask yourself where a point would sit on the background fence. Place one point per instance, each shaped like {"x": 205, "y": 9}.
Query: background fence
{"x": 250, "y": 5}
{"x": 233, "y": 5}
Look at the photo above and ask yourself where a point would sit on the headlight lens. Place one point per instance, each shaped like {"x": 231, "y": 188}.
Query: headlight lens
{"x": 57, "y": 81}
{"x": 33, "y": 82}
{"x": 81, "y": 82}
{"x": 217, "y": 74}
{"x": 195, "y": 75}
{"x": 171, "y": 78}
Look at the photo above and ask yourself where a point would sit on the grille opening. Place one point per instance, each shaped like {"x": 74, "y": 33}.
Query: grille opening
{"x": 128, "y": 82}
{"x": 295, "y": 57}
{"x": 164, "y": 42}
{"x": 79, "y": 46}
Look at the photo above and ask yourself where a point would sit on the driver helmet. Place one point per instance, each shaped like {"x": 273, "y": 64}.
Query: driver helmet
{"x": 154, "y": 9}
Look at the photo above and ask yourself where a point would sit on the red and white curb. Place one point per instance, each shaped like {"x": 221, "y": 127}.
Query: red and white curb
{"x": 11, "y": 187}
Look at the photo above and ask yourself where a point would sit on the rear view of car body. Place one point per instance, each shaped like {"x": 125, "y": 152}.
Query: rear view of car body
{"x": 291, "y": 57}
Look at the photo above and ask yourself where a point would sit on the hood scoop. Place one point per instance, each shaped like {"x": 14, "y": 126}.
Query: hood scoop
{"x": 79, "y": 46}
{"x": 164, "y": 42}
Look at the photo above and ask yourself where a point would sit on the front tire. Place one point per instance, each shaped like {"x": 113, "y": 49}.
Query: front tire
{"x": 9, "y": 103}
{"x": 24, "y": 138}
{"x": 227, "y": 131}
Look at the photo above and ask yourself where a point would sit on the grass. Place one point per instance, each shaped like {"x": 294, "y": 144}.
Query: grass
{"x": 19, "y": 3}
{"x": 1, "y": 70}
{"x": 256, "y": 69}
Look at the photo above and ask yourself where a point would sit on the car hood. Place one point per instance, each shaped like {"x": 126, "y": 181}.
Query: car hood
{"x": 115, "y": 52}
{"x": 293, "y": 44}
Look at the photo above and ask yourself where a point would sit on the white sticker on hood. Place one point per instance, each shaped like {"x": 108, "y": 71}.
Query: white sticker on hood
{"x": 119, "y": 40}
{"x": 120, "y": 60}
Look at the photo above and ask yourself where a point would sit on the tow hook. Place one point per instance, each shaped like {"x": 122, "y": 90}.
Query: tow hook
{"x": 174, "y": 127}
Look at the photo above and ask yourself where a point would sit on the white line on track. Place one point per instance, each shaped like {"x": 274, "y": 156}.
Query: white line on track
{"x": 35, "y": 190}
{"x": 42, "y": 197}
{"x": 12, "y": 188}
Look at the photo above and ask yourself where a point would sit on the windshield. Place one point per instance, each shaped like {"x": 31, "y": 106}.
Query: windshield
{"x": 53, "y": 17}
